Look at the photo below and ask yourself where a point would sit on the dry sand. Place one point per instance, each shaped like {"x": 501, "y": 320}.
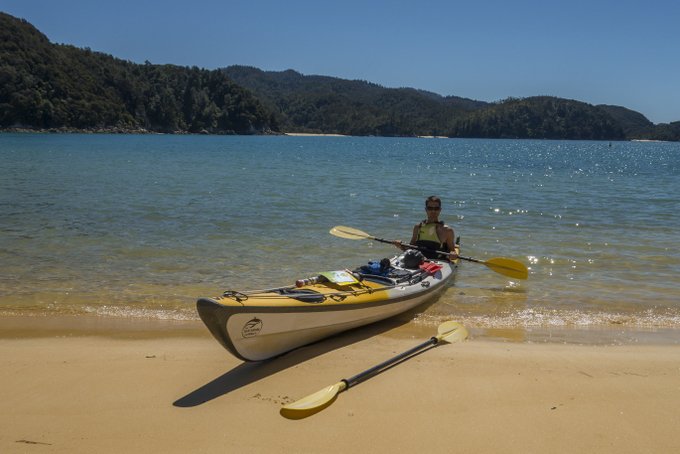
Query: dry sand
{"x": 81, "y": 391}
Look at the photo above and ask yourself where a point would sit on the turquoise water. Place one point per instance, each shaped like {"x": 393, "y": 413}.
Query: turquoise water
{"x": 142, "y": 225}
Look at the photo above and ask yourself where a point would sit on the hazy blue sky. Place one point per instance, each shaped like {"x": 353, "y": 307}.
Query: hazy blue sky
{"x": 621, "y": 52}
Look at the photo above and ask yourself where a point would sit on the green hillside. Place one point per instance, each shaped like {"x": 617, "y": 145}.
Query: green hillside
{"x": 45, "y": 85}
{"x": 540, "y": 117}
{"x": 637, "y": 126}
{"x": 353, "y": 107}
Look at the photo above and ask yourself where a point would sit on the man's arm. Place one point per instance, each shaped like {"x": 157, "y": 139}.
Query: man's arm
{"x": 414, "y": 238}
{"x": 450, "y": 242}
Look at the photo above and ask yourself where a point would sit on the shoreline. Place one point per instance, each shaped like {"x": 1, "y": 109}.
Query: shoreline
{"x": 187, "y": 394}
{"x": 141, "y": 131}
{"x": 408, "y": 326}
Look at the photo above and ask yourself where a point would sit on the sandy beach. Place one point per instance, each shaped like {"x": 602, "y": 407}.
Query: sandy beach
{"x": 174, "y": 389}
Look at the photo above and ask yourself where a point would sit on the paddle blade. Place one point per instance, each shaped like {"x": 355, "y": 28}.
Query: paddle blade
{"x": 508, "y": 267}
{"x": 349, "y": 233}
{"x": 314, "y": 403}
{"x": 451, "y": 332}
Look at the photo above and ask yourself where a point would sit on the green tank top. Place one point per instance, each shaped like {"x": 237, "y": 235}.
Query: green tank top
{"x": 428, "y": 232}
{"x": 427, "y": 238}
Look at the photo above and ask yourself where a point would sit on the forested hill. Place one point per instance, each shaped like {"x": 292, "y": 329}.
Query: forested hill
{"x": 637, "y": 126}
{"x": 545, "y": 117}
{"x": 540, "y": 117}
{"x": 331, "y": 105}
{"x": 52, "y": 86}
{"x": 45, "y": 85}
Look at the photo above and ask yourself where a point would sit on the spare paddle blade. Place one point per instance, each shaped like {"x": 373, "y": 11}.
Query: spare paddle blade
{"x": 314, "y": 403}
{"x": 508, "y": 267}
{"x": 349, "y": 233}
{"x": 451, "y": 332}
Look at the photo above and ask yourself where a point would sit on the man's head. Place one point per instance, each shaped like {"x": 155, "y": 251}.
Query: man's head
{"x": 433, "y": 206}
{"x": 433, "y": 203}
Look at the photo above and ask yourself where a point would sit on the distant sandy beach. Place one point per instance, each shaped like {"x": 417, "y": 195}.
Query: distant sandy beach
{"x": 304, "y": 134}
{"x": 172, "y": 388}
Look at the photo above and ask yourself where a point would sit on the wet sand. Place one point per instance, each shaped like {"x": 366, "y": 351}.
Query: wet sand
{"x": 139, "y": 387}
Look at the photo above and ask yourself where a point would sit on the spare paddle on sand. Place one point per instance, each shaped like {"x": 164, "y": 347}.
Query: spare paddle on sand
{"x": 448, "y": 332}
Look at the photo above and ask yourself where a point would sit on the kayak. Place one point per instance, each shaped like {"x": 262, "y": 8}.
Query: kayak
{"x": 255, "y": 326}
{"x": 259, "y": 325}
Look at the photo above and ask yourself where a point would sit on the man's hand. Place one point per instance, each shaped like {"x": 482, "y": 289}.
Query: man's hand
{"x": 399, "y": 245}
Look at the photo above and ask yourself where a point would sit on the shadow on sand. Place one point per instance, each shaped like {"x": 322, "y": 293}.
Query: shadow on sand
{"x": 250, "y": 372}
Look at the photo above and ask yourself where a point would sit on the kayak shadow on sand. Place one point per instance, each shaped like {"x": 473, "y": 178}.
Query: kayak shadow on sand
{"x": 251, "y": 372}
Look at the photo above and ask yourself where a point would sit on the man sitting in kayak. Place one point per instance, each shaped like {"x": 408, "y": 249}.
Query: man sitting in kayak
{"x": 432, "y": 234}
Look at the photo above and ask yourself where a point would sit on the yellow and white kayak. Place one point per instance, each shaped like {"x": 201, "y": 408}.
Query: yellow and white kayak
{"x": 255, "y": 326}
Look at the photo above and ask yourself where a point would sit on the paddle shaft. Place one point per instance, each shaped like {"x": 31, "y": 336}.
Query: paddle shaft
{"x": 420, "y": 248}
{"x": 358, "y": 378}
{"x": 470, "y": 259}
{"x": 501, "y": 265}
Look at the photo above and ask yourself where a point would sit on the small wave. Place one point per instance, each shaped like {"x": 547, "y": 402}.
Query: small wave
{"x": 142, "y": 312}
{"x": 129, "y": 312}
{"x": 562, "y": 318}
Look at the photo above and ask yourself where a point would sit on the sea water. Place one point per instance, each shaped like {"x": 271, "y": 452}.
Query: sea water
{"x": 142, "y": 225}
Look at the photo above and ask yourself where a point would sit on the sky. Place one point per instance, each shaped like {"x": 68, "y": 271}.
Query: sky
{"x": 623, "y": 52}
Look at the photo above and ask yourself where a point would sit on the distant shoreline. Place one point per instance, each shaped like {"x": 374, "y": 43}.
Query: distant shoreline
{"x": 105, "y": 130}
{"x": 116, "y": 130}
{"x": 307, "y": 134}
{"x": 122, "y": 131}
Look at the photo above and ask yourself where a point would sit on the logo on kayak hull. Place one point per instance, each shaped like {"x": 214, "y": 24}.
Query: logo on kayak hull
{"x": 252, "y": 328}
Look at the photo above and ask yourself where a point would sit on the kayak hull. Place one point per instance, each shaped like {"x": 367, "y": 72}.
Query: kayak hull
{"x": 266, "y": 325}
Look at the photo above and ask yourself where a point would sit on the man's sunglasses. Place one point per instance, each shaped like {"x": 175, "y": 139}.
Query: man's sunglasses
{"x": 429, "y": 208}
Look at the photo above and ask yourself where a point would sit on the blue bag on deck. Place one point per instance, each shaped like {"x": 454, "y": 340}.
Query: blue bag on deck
{"x": 378, "y": 268}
